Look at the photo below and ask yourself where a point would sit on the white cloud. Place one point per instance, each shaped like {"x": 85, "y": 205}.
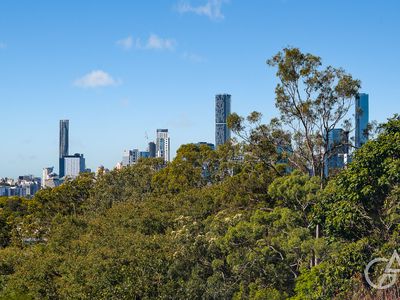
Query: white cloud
{"x": 3, "y": 45}
{"x": 125, "y": 43}
{"x": 154, "y": 42}
{"x": 211, "y": 9}
{"x": 95, "y": 79}
{"x": 193, "y": 57}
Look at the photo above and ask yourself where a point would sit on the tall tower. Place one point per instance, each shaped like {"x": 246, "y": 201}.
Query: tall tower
{"x": 362, "y": 119}
{"x": 64, "y": 143}
{"x": 222, "y": 111}
{"x": 163, "y": 144}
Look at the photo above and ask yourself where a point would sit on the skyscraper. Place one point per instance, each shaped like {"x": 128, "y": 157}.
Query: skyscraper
{"x": 222, "y": 111}
{"x": 64, "y": 143}
{"x": 163, "y": 144}
{"x": 338, "y": 148}
{"x": 361, "y": 119}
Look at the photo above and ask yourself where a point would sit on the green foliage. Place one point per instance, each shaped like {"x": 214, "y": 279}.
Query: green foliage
{"x": 231, "y": 223}
{"x": 363, "y": 199}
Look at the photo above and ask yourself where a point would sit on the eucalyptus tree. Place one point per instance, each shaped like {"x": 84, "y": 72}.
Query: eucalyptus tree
{"x": 312, "y": 100}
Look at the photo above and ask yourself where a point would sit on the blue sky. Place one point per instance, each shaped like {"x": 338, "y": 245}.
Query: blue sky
{"x": 119, "y": 69}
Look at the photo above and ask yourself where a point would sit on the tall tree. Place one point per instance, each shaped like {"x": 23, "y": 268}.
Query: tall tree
{"x": 312, "y": 101}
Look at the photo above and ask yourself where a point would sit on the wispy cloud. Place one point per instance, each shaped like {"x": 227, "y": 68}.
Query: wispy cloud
{"x": 193, "y": 57}
{"x": 211, "y": 9}
{"x": 125, "y": 43}
{"x": 97, "y": 78}
{"x": 3, "y": 45}
{"x": 153, "y": 42}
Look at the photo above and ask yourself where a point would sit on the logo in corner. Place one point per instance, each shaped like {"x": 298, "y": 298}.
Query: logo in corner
{"x": 389, "y": 276}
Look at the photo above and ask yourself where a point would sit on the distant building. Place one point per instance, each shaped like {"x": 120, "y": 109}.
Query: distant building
{"x": 163, "y": 144}
{"x": 338, "y": 148}
{"x": 118, "y": 166}
{"x": 74, "y": 165}
{"x": 127, "y": 158}
{"x": 152, "y": 149}
{"x": 212, "y": 146}
{"x": 222, "y": 111}
{"x": 144, "y": 154}
{"x": 25, "y": 186}
{"x": 49, "y": 178}
{"x": 64, "y": 145}
{"x": 101, "y": 170}
{"x": 130, "y": 157}
{"x": 361, "y": 119}
{"x": 52, "y": 182}
{"x": 3, "y": 190}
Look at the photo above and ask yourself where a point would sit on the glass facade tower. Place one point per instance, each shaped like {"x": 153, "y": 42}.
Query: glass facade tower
{"x": 64, "y": 144}
{"x": 338, "y": 141}
{"x": 362, "y": 119}
{"x": 222, "y": 111}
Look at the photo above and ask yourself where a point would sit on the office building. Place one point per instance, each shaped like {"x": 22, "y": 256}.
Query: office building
{"x": 338, "y": 150}
{"x": 144, "y": 154}
{"x": 361, "y": 119}
{"x": 222, "y": 111}
{"x": 24, "y": 186}
{"x": 130, "y": 157}
{"x": 212, "y": 146}
{"x": 74, "y": 165}
{"x": 64, "y": 145}
{"x": 46, "y": 175}
{"x": 163, "y": 144}
{"x": 152, "y": 149}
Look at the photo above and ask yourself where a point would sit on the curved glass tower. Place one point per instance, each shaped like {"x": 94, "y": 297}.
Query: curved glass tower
{"x": 64, "y": 144}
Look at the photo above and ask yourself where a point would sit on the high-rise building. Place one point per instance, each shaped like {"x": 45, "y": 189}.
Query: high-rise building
{"x": 222, "y": 111}
{"x": 163, "y": 144}
{"x": 64, "y": 144}
{"x": 74, "y": 165}
{"x": 127, "y": 158}
{"x": 130, "y": 157}
{"x": 152, "y": 149}
{"x": 361, "y": 119}
{"x": 338, "y": 148}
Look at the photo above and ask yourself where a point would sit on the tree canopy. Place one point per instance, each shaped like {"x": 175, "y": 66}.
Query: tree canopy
{"x": 237, "y": 222}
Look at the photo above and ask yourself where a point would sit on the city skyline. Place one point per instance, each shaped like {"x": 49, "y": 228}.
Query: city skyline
{"x": 136, "y": 67}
